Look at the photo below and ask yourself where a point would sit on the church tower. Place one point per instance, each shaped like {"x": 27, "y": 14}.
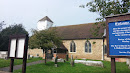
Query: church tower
{"x": 44, "y": 23}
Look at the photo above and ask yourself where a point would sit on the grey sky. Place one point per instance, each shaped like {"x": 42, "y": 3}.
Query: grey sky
{"x": 61, "y": 12}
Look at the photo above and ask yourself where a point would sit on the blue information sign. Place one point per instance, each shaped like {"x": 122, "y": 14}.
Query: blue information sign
{"x": 119, "y": 38}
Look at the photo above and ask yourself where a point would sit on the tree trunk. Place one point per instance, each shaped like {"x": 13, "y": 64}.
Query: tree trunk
{"x": 45, "y": 55}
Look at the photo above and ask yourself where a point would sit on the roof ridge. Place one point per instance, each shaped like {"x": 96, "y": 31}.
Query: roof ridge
{"x": 46, "y": 18}
{"x": 75, "y": 25}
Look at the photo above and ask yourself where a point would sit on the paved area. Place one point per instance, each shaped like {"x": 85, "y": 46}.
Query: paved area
{"x": 4, "y": 72}
{"x": 16, "y": 67}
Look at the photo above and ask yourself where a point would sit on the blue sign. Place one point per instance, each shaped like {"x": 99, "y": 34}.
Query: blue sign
{"x": 119, "y": 38}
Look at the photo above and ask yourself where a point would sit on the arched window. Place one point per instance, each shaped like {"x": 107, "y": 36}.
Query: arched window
{"x": 87, "y": 47}
{"x": 72, "y": 47}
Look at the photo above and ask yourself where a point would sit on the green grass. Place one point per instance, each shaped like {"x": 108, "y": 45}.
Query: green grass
{"x": 78, "y": 68}
{"x": 5, "y": 63}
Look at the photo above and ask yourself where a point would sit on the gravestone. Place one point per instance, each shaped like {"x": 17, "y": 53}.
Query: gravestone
{"x": 3, "y": 54}
{"x": 67, "y": 58}
{"x": 60, "y": 60}
{"x": 95, "y": 63}
{"x": 56, "y": 61}
{"x": 127, "y": 61}
{"x": 28, "y": 57}
{"x": 72, "y": 61}
{"x": 80, "y": 61}
{"x": 90, "y": 63}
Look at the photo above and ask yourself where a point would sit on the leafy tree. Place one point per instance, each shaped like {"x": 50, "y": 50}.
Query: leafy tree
{"x": 16, "y": 29}
{"x": 106, "y": 8}
{"x": 45, "y": 39}
{"x": 1, "y": 25}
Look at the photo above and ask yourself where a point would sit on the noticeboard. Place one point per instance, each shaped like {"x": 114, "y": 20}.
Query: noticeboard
{"x": 118, "y": 35}
{"x": 119, "y": 38}
{"x": 18, "y": 45}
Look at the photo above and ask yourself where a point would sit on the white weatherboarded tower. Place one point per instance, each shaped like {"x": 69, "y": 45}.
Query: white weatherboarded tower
{"x": 44, "y": 23}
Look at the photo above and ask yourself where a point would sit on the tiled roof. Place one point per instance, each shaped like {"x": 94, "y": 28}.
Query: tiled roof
{"x": 81, "y": 31}
{"x": 46, "y": 18}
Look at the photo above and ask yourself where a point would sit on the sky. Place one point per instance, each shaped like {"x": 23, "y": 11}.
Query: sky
{"x": 61, "y": 12}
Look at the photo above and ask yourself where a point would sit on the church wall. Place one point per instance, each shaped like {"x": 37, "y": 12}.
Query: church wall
{"x": 96, "y": 52}
{"x": 80, "y": 53}
{"x": 35, "y": 51}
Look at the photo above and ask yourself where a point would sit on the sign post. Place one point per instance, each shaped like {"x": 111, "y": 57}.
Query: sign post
{"x": 113, "y": 65}
{"x": 11, "y": 65}
{"x": 118, "y": 37}
{"x": 18, "y": 45}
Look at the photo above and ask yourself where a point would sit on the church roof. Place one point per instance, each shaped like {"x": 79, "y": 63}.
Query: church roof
{"x": 46, "y": 18}
{"x": 81, "y": 31}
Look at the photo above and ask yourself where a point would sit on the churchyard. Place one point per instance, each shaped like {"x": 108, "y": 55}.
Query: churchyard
{"x": 66, "y": 67}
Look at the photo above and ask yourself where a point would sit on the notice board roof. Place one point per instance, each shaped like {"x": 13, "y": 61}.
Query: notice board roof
{"x": 117, "y": 15}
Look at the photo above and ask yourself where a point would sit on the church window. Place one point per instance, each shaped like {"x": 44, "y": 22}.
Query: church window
{"x": 87, "y": 47}
{"x": 72, "y": 47}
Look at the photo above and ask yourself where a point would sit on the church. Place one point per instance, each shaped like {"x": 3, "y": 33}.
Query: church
{"x": 77, "y": 41}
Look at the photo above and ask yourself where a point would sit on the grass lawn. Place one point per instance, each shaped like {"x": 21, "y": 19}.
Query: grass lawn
{"x": 5, "y": 63}
{"x": 78, "y": 68}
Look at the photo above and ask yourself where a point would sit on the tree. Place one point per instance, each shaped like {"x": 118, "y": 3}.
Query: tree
{"x": 45, "y": 39}
{"x": 106, "y": 8}
{"x": 1, "y": 25}
{"x": 16, "y": 29}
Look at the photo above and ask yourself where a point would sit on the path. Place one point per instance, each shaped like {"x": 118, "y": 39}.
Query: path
{"x": 4, "y": 72}
{"x": 16, "y": 67}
